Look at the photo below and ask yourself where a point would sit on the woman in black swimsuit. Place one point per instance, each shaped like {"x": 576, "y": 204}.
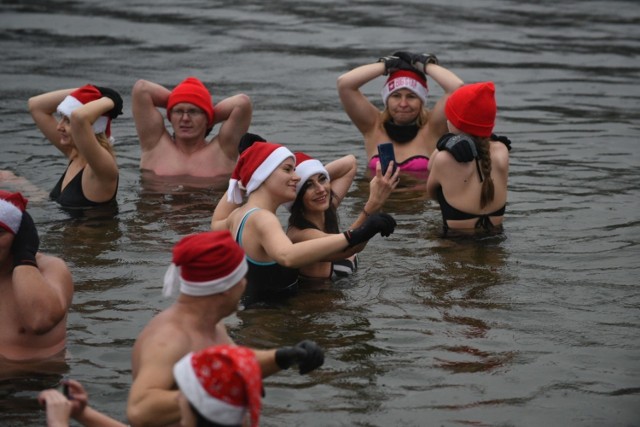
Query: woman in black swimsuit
{"x": 82, "y": 133}
{"x": 469, "y": 169}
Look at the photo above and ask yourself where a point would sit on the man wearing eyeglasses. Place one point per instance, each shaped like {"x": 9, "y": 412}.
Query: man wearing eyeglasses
{"x": 187, "y": 152}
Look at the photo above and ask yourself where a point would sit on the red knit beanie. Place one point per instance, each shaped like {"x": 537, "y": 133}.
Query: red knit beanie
{"x": 472, "y": 108}
{"x": 192, "y": 91}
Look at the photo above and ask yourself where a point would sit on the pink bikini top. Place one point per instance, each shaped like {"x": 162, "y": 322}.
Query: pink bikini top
{"x": 412, "y": 164}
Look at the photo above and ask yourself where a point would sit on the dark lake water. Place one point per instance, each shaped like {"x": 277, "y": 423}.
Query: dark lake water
{"x": 539, "y": 326}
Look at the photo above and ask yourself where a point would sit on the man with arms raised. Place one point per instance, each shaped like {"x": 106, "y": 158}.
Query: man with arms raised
{"x": 210, "y": 270}
{"x": 35, "y": 289}
{"x": 192, "y": 115}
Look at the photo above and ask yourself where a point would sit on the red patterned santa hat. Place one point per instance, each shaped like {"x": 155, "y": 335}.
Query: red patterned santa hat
{"x": 306, "y": 167}
{"x": 205, "y": 264}
{"x": 472, "y": 108}
{"x": 81, "y": 96}
{"x": 12, "y": 205}
{"x": 254, "y": 166}
{"x": 222, "y": 382}
{"x": 192, "y": 91}
{"x": 406, "y": 79}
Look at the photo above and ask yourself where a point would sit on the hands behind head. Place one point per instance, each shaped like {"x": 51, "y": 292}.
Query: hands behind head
{"x": 394, "y": 63}
{"x": 25, "y": 243}
{"x": 418, "y": 60}
{"x": 115, "y": 97}
{"x": 306, "y": 354}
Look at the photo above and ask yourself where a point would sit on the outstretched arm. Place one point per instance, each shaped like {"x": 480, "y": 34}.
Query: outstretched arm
{"x": 42, "y": 108}
{"x": 236, "y": 112}
{"x": 146, "y": 98}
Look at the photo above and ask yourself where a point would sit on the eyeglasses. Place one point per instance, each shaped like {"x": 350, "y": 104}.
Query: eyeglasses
{"x": 191, "y": 113}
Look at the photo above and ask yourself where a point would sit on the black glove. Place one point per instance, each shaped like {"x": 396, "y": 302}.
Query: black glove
{"x": 25, "y": 243}
{"x": 247, "y": 141}
{"x": 375, "y": 223}
{"x": 462, "y": 146}
{"x": 306, "y": 354}
{"x": 394, "y": 63}
{"x": 115, "y": 97}
{"x": 506, "y": 141}
{"x": 418, "y": 60}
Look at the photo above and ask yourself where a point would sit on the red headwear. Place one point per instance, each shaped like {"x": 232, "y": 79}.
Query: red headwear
{"x": 222, "y": 382}
{"x": 254, "y": 166}
{"x": 405, "y": 79}
{"x": 79, "y": 97}
{"x": 472, "y": 108}
{"x": 306, "y": 167}
{"x": 205, "y": 264}
{"x": 192, "y": 91}
{"x": 12, "y": 205}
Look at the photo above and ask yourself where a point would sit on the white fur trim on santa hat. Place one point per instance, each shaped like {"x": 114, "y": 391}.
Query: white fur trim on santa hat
{"x": 70, "y": 103}
{"x": 10, "y": 216}
{"x": 404, "y": 82}
{"x": 261, "y": 173}
{"x": 211, "y": 408}
{"x": 198, "y": 289}
{"x": 306, "y": 170}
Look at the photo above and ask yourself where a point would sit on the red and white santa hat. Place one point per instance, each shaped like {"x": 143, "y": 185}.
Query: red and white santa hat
{"x": 191, "y": 90}
{"x": 81, "y": 96}
{"x": 406, "y": 79}
{"x": 12, "y": 205}
{"x": 254, "y": 166}
{"x": 222, "y": 382}
{"x": 306, "y": 167}
{"x": 205, "y": 264}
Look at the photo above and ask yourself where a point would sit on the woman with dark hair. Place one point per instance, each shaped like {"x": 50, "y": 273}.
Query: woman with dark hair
{"x": 314, "y": 211}
{"x": 470, "y": 166}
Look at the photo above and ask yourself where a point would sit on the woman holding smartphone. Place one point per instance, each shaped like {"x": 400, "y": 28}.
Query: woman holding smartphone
{"x": 314, "y": 211}
{"x": 265, "y": 173}
{"x": 406, "y": 121}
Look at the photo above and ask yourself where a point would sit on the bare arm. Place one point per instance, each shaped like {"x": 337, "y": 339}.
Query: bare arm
{"x": 278, "y": 246}
{"x": 152, "y": 398}
{"x": 433, "y": 181}
{"x": 42, "y": 108}
{"x": 146, "y": 98}
{"x": 221, "y": 213}
{"x": 236, "y": 112}
{"x": 43, "y": 294}
{"x": 360, "y": 110}
{"x": 449, "y": 82}
{"x": 342, "y": 171}
{"x": 102, "y": 163}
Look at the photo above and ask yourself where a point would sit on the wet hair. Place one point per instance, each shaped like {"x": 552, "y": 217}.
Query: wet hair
{"x": 298, "y": 220}
{"x": 487, "y": 192}
{"x": 201, "y": 421}
{"x": 421, "y": 120}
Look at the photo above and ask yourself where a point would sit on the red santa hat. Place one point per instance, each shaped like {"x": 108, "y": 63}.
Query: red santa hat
{"x": 222, "y": 382}
{"x": 406, "y": 79}
{"x": 472, "y": 108}
{"x": 12, "y": 205}
{"x": 254, "y": 166}
{"x": 81, "y": 96}
{"x": 306, "y": 167}
{"x": 205, "y": 264}
{"x": 192, "y": 91}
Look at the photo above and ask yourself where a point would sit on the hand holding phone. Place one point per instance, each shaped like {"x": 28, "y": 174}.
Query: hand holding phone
{"x": 386, "y": 155}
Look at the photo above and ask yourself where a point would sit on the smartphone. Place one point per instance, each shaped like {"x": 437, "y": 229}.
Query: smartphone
{"x": 386, "y": 154}
{"x": 64, "y": 389}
